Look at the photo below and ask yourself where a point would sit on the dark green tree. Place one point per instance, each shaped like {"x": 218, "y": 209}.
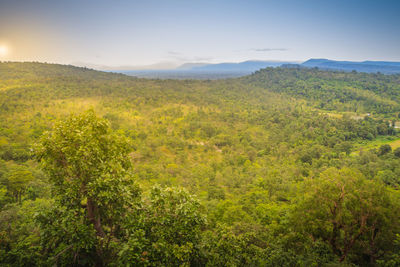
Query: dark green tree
{"x": 353, "y": 215}
{"x": 384, "y": 149}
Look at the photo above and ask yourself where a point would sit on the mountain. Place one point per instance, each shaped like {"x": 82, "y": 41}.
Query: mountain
{"x": 170, "y": 70}
{"x": 246, "y": 66}
{"x": 184, "y": 74}
{"x": 189, "y": 66}
{"x": 385, "y": 67}
{"x": 202, "y": 71}
{"x": 194, "y": 70}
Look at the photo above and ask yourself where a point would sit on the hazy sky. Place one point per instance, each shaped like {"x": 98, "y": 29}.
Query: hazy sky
{"x": 132, "y": 32}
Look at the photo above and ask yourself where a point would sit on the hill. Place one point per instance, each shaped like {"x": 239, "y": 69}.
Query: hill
{"x": 343, "y": 91}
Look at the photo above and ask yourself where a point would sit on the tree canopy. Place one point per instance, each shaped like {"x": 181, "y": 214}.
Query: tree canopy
{"x": 285, "y": 167}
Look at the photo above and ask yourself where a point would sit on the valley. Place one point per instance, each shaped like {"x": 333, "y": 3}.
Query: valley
{"x": 240, "y": 165}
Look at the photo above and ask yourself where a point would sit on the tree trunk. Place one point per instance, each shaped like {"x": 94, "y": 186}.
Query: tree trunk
{"x": 94, "y": 217}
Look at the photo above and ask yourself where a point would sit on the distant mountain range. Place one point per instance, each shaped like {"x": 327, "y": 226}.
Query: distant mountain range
{"x": 246, "y": 66}
{"x": 207, "y": 70}
{"x": 229, "y": 70}
{"x": 386, "y": 67}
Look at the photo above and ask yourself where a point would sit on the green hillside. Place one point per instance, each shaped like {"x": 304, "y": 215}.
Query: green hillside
{"x": 343, "y": 91}
{"x": 279, "y": 168}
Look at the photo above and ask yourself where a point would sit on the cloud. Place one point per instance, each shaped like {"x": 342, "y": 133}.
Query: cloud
{"x": 268, "y": 49}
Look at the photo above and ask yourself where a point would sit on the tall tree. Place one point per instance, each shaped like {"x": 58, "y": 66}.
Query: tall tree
{"x": 353, "y": 215}
{"x": 88, "y": 166}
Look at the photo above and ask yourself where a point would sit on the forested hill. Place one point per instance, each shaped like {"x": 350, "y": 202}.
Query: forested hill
{"x": 35, "y": 70}
{"x": 280, "y": 168}
{"x": 344, "y": 91}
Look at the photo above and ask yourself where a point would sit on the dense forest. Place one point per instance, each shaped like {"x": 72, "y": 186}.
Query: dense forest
{"x": 284, "y": 167}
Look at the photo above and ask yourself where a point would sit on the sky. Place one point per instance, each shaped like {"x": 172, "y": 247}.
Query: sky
{"x": 167, "y": 33}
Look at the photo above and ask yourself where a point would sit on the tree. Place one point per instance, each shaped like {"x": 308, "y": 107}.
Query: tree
{"x": 88, "y": 166}
{"x": 17, "y": 181}
{"x": 396, "y": 152}
{"x": 384, "y": 149}
{"x": 170, "y": 230}
{"x": 353, "y": 215}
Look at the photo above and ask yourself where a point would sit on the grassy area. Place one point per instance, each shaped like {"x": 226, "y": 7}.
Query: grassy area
{"x": 393, "y": 141}
{"x": 339, "y": 115}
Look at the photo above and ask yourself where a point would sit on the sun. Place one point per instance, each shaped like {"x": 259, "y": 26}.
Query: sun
{"x": 3, "y": 50}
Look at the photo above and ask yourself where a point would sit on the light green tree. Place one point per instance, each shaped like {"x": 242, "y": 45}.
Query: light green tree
{"x": 88, "y": 166}
{"x": 169, "y": 234}
{"x": 17, "y": 181}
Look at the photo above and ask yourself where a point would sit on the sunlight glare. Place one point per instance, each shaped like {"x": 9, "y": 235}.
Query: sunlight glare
{"x": 3, "y": 50}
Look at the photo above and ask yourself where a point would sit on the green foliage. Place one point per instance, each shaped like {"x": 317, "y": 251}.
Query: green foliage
{"x": 384, "y": 149}
{"x": 266, "y": 155}
{"x": 17, "y": 181}
{"x": 88, "y": 166}
{"x": 396, "y": 152}
{"x": 343, "y": 91}
{"x": 355, "y": 217}
{"x": 169, "y": 232}
{"x": 20, "y": 233}
{"x": 224, "y": 247}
